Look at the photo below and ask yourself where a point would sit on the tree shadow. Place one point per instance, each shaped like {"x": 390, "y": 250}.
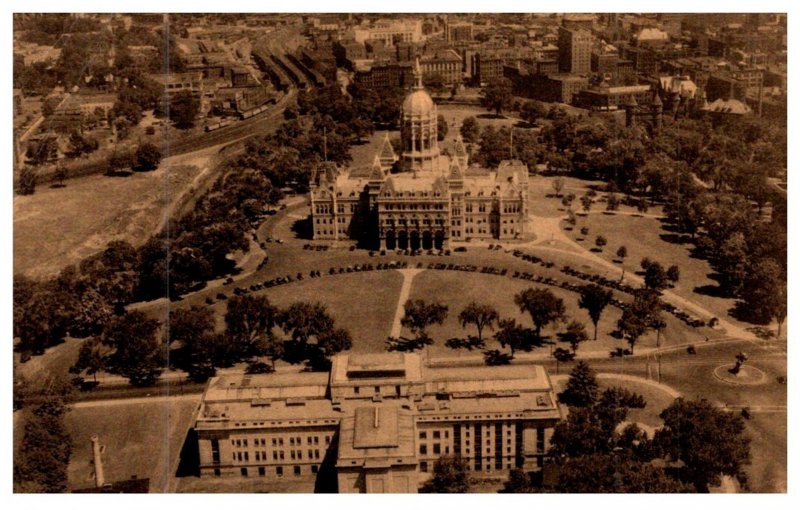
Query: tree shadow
{"x": 470, "y": 343}
{"x": 676, "y": 238}
{"x": 744, "y": 312}
{"x": 119, "y": 173}
{"x": 403, "y": 344}
{"x": 303, "y": 229}
{"x": 57, "y": 186}
{"x": 711, "y": 290}
{"x": 491, "y": 116}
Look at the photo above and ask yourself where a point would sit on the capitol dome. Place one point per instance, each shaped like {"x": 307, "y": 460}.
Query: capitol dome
{"x": 418, "y": 103}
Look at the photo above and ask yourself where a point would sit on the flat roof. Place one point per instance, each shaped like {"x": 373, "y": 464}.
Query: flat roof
{"x": 375, "y": 427}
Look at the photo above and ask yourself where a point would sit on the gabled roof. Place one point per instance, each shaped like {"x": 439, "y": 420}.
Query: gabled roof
{"x": 459, "y": 149}
{"x": 455, "y": 172}
{"x": 387, "y": 151}
{"x": 376, "y": 172}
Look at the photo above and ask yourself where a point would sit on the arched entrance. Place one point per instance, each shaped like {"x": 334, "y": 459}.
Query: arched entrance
{"x": 438, "y": 240}
{"x": 414, "y": 240}
{"x": 402, "y": 240}
{"x": 427, "y": 240}
{"x": 391, "y": 240}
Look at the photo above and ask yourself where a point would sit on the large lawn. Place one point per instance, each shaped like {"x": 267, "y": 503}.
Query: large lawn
{"x": 363, "y": 303}
{"x": 645, "y": 237}
{"x": 56, "y": 227}
{"x": 456, "y": 290}
{"x": 140, "y": 439}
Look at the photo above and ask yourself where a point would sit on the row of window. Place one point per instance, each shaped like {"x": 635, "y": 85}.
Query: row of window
{"x": 262, "y": 471}
{"x": 261, "y": 455}
{"x": 411, "y": 207}
{"x": 413, "y": 221}
{"x": 278, "y": 441}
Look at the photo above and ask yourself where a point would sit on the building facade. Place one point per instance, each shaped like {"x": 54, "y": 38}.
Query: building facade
{"x": 421, "y": 199}
{"x": 574, "y": 50}
{"x": 376, "y": 422}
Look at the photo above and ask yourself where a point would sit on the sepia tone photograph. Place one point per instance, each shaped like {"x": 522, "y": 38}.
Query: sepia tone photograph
{"x": 399, "y": 253}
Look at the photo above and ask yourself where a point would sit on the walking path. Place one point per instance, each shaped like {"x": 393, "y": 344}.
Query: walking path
{"x": 405, "y": 290}
{"x": 137, "y": 400}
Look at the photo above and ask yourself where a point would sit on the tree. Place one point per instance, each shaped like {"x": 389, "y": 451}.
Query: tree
{"x": 512, "y": 335}
{"x": 470, "y": 130}
{"x": 120, "y": 162}
{"x": 558, "y": 185}
{"x": 42, "y": 151}
{"x": 249, "y": 324}
{"x": 441, "y": 128}
{"x": 562, "y": 355}
{"x": 449, "y": 477}
{"x": 482, "y": 316}
{"x": 80, "y": 145}
{"x": 138, "y": 355}
{"x": 582, "y": 389}
{"x": 709, "y": 441}
{"x": 594, "y": 300}
{"x": 519, "y": 482}
{"x": 765, "y": 298}
{"x": 27, "y": 180}
{"x": 532, "y": 111}
{"x": 642, "y": 205}
{"x": 183, "y": 109}
{"x": 614, "y": 473}
{"x": 334, "y": 341}
{"x": 575, "y": 335}
{"x": 147, "y": 157}
{"x": 622, "y": 252}
{"x": 419, "y": 315}
{"x": 497, "y": 94}
{"x": 91, "y": 358}
{"x": 641, "y": 315}
{"x": 434, "y": 81}
{"x": 542, "y": 305}
{"x": 586, "y": 203}
{"x": 193, "y": 327}
{"x": 655, "y": 277}
{"x": 612, "y": 202}
{"x": 41, "y": 460}
{"x": 600, "y": 242}
{"x": 673, "y": 274}
{"x": 44, "y": 320}
{"x": 60, "y": 175}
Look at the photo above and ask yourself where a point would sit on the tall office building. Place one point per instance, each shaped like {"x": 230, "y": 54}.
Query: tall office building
{"x": 574, "y": 51}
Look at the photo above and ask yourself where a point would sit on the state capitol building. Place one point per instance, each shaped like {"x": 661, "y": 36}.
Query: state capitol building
{"x": 376, "y": 422}
{"x": 422, "y": 199}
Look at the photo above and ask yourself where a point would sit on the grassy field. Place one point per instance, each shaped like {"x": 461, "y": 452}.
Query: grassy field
{"x": 362, "y": 303}
{"x": 56, "y": 227}
{"x": 767, "y": 471}
{"x": 645, "y": 237}
{"x": 140, "y": 439}
{"x": 456, "y": 290}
